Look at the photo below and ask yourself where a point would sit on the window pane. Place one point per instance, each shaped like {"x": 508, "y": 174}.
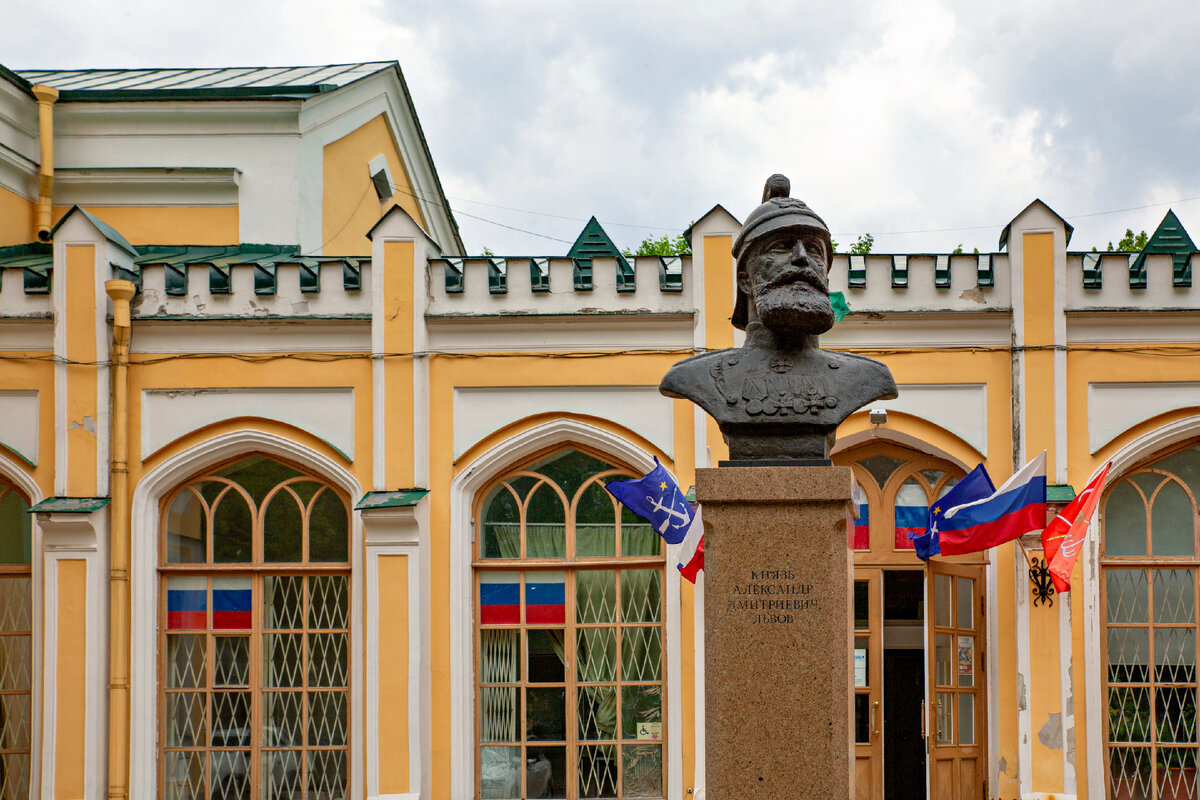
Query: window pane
{"x": 1128, "y": 655}
{"x": 545, "y": 598}
{"x": 570, "y": 468}
{"x": 186, "y": 660}
{"x": 545, "y": 524}
{"x": 862, "y": 718}
{"x": 187, "y": 603}
{"x": 328, "y": 527}
{"x": 327, "y": 774}
{"x": 597, "y": 713}
{"x": 1128, "y": 714}
{"x": 965, "y": 603}
{"x": 499, "y": 716}
{"x": 499, "y": 598}
{"x": 642, "y": 772}
{"x": 861, "y": 594}
{"x": 595, "y": 596}
{"x": 966, "y": 661}
{"x": 1175, "y": 710}
{"x": 185, "y": 719}
{"x": 500, "y": 659}
{"x": 230, "y": 719}
{"x": 232, "y": 657}
{"x": 862, "y": 661}
{"x": 966, "y": 718}
{"x": 881, "y": 468}
{"x": 595, "y": 523}
{"x": 596, "y": 654}
{"x": 911, "y": 513}
{"x": 1125, "y": 522}
{"x": 943, "y": 660}
{"x": 862, "y": 520}
{"x": 231, "y": 602}
{"x": 641, "y": 654}
{"x": 281, "y": 775}
{"x": 1175, "y": 655}
{"x": 15, "y": 528}
{"x": 500, "y": 773}
{"x": 941, "y": 600}
{"x": 281, "y": 660}
{"x": 327, "y": 660}
{"x": 258, "y": 475}
{"x": 597, "y": 770}
{"x": 1172, "y": 518}
{"x": 328, "y": 601}
{"x": 1129, "y": 772}
{"x": 15, "y": 603}
{"x": 283, "y": 528}
{"x": 231, "y": 529}
{"x": 501, "y": 525}
{"x": 186, "y": 530}
{"x": 546, "y": 714}
{"x": 282, "y": 716}
{"x": 1174, "y": 596}
{"x": 641, "y": 595}
{"x": 183, "y": 776}
{"x": 15, "y": 655}
{"x": 546, "y": 771}
{"x": 637, "y": 537}
{"x": 281, "y": 607}
{"x": 641, "y": 711}
{"x": 1127, "y": 595}
{"x": 327, "y": 719}
{"x": 1177, "y": 772}
{"x": 546, "y": 656}
{"x": 945, "y": 718}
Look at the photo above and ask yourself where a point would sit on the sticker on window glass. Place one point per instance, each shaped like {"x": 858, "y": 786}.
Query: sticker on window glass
{"x": 231, "y": 603}
{"x": 860, "y": 666}
{"x": 499, "y": 598}
{"x": 187, "y": 603}
{"x": 649, "y": 731}
{"x": 546, "y": 598}
{"x": 966, "y": 663}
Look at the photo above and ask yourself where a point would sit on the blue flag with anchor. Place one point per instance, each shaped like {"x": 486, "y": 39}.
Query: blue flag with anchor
{"x": 976, "y": 485}
{"x": 657, "y": 498}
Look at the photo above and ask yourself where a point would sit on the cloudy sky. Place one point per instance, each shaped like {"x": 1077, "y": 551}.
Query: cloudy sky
{"x": 928, "y": 124}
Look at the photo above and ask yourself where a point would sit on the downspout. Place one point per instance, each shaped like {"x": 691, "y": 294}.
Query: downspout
{"x": 118, "y": 577}
{"x": 46, "y": 96}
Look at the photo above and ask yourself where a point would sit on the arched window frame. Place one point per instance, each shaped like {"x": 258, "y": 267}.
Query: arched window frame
{"x": 1138, "y": 740}
{"x": 18, "y": 622}
{"x": 258, "y": 571}
{"x": 569, "y": 565}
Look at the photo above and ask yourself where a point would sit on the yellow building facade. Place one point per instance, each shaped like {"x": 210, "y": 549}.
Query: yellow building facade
{"x": 298, "y": 500}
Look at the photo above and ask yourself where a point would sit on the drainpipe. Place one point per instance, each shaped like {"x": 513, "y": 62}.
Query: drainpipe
{"x": 46, "y": 95}
{"x": 118, "y": 576}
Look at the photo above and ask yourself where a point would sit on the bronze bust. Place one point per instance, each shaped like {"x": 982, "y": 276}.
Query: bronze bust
{"x": 779, "y": 398}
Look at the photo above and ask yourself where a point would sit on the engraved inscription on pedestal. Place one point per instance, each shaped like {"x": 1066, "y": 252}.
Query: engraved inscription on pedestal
{"x": 773, "y": 597}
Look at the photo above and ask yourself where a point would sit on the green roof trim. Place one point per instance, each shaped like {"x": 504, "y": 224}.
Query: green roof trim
{"x": 1171, "y": 239}
{"x": 69, "y": 505}
{"x": 106, "y": 230}
{"x": 594, "y": 242}
{"x": 691, "y": 494}
{"x": 1059, "y": 493}
{"x": 401, "y": 498}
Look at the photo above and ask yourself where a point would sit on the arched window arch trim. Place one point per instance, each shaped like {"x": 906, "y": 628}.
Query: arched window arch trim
{"x": 1156, "y": 443}
{"x": 484, "y": 470}
{"x": 145, "y": 518}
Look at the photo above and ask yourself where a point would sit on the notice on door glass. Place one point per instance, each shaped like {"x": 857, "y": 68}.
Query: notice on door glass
{"x": 860, "y": 666}
{"x": 966, "y": 659}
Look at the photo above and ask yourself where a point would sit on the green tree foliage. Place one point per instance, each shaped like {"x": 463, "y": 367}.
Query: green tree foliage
{"x": 863, "y": 246}
{"x": 1131, "y": 243}
{"x": 957, "y": 251}
{"x": 662, "y": 246}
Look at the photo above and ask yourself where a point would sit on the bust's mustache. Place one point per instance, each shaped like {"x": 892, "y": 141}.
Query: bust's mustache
{"x": 810, "y": 277}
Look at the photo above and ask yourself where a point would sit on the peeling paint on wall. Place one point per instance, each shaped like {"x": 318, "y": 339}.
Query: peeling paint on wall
{"x": 1021, "y": 703}
{"x": 1003, "y": 764}
{"x": 88, "y": 424}
{"x": 1071, "y": 744}
{"x": 1050, "y": 734}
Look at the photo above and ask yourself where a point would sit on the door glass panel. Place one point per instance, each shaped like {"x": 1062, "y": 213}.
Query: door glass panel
{"x": 966, "y": 660}
{"x": 966, "y": 718}
{"x": 862, "y": 718}
{"x": 862, "y": 662}
{"x": 966, "y": 604}
{"x": 945, "y": 718}
{"x": 861, "y": 604}
{"x": 941, "y": 600}
{"x": 546, "y": 714}
{"x": 943, "y": 660}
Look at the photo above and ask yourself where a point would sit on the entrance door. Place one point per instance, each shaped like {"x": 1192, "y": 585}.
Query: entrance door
{"x": 868, "y": 684}
{"x": 955, "y": 700}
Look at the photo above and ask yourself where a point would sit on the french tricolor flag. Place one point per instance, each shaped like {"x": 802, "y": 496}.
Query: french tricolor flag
{"x": 187, "y": 603}
{"x": 231, "y": 602}
{"x": 545, "y": 598}
{"x": 1016, "y": 508}
{"x": 691, "y": 549}
{"x": 500, "y": 598}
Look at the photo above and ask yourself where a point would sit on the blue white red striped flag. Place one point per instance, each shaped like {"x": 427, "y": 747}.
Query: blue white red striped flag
{"x": 1016, "y": 508}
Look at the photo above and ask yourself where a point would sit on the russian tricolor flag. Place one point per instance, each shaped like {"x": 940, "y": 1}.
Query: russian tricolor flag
{"x": 1016, "y": 508}
{"x": 187, "y": 603}
{"x": 862, "y": 526}
{"x": 231, "y": 603}
{"x": 545, "y": 598}
{"x": 500, "y": 598}
{"x": 910, "y": 521}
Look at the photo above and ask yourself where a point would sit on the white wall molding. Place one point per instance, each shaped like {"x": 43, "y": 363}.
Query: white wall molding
{"x": 960, "y": 408}
{"x": 463, "y": 490}
{"x": 143, "y": 778}
{"x": 1114, "y": 408}
{"x": 19, "y": 428}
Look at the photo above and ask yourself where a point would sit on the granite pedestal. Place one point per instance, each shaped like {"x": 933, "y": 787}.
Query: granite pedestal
{"x": 778, "y": 632}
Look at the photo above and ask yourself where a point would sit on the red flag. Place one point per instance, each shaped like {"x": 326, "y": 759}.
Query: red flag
{"x": 1063, "y": 537}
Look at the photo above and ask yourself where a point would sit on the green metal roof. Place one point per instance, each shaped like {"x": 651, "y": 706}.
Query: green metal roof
{"x": 1171, "y": 239}
{"x": 108, "y": 231}
{"x": 1059, "y": 493}
{"x": 401, "y": 498}
{"x": 594, "y": 242}
{"x": 206, "y": 82}
{"x": 69, "y": 505}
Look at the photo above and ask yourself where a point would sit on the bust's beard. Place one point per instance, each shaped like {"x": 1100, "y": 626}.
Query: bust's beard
{"x": 794, "y": 310}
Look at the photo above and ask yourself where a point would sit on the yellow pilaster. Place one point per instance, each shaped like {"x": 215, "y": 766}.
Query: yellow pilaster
{"x": 1038, "y": 403}
{"x": 393, "y": 681}
{"x": 71, "y": 658}
{"x": 81, "y": 384}
{"x": 718, "y": 307}
{"x": 398, "y": 372}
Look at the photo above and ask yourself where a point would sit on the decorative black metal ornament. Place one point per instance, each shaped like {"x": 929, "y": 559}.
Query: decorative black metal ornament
{"x": 1043, "y": 587}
